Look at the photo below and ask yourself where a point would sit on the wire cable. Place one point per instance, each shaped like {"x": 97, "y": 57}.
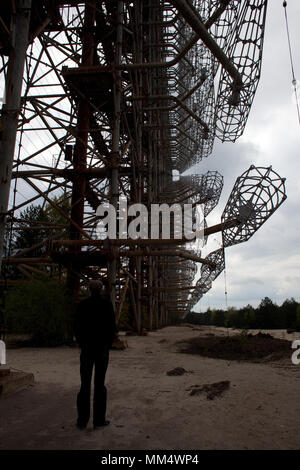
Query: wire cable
{"x": 294, "y": 81}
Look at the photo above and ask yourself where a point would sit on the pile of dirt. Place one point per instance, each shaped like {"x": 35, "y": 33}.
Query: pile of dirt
{"x": 238, "y": 347}
{"x": 212, "y": 390}
{"x": 177, "y": 371}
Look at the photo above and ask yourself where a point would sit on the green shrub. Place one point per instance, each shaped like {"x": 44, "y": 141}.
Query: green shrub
{"x": 38, "y": 308}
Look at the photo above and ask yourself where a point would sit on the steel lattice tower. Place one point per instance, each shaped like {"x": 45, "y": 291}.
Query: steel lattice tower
{"x": 104, "y": 100}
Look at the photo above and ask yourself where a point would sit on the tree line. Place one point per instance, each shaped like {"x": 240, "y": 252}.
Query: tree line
{"x": 268, "y": 315}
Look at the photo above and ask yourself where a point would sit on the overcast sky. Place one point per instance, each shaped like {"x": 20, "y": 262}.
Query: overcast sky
{"x": 267, "y": 264}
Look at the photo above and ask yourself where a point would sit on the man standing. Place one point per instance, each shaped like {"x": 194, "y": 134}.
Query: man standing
{"x": 95, "y": 330}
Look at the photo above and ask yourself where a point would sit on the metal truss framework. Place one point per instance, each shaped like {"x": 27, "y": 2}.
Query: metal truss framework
{"x": 114, "y": 96}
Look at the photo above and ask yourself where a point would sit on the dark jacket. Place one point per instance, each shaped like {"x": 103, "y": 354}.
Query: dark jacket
{"x": 94, "y": 324}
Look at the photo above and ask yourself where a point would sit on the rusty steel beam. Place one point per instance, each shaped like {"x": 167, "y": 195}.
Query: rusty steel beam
{"x": 80, "y": 150}
{"x": 129, "y": 242}
{"x": 193, "y": 19}
{"x": 11, "y": 108}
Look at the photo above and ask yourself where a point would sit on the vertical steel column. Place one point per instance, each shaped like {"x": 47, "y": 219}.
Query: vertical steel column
{"x": 150, "y": 162}
{"x": 80, "y": 150}
{"x": 11, "y": 109}
{"x": 116, "y": 136}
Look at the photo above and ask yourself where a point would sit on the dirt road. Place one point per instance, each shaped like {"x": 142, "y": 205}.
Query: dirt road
{"x": 149, "y": 409}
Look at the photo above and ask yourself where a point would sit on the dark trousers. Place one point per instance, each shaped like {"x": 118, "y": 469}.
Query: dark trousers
{"x": 89, "y": 358}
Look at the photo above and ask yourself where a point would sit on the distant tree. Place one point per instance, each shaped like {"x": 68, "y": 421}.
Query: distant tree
{"x": 241, "y": 318}
{"x": 289, "y": 310}
{"x": 268, "y": 315}
{"x": 56, "y": 216}
{"x": 248, "y": 316}
{"x": 32, "y": 225}
{"x": 36, "y": 223}
{"x": 206, "y": 317}
{"x": 231, "y": 317}
{"x": 298, "y": 319}
{"x": 38, "y": 308}
{"x": 219, "y": 318}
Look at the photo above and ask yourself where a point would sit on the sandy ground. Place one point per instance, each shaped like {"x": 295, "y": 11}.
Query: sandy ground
{"x": 149, "y": 409}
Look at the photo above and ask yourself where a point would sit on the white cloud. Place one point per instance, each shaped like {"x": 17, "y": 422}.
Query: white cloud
{"x": 268, "y": 264}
